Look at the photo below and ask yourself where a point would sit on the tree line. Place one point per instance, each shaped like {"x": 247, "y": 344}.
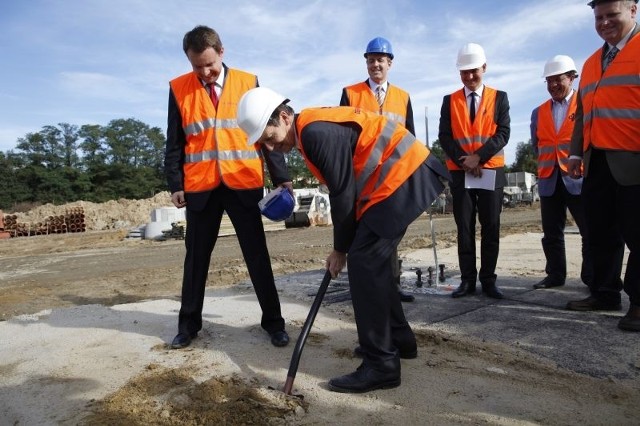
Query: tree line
{"x": 65, "y": 163}
{"x": 124, "y": 159}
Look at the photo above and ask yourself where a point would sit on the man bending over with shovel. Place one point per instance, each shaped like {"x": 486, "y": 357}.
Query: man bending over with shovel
{"x": 380, "y": 178}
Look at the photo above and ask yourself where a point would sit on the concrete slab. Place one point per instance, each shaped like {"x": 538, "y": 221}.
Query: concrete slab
{"x": 532, "y": 320}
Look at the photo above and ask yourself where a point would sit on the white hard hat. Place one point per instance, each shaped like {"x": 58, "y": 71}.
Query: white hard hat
{"x": 557, "y": 65}
{"x": 255, "y": 108}
{"x": 470, "y": 56}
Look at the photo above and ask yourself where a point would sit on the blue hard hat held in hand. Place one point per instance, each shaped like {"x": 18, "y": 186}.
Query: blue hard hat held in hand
{"x": 379, "y": 45}
{"x": 277, "y": 205}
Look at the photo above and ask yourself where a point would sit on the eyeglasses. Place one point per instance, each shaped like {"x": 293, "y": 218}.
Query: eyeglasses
{"x": 556, "y": 79}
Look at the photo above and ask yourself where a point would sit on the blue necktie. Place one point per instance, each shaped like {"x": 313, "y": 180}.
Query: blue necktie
{"x": 609, "y": 58}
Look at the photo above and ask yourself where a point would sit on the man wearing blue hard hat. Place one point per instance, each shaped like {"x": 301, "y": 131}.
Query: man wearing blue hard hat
{"x": 376, "y": 94}
{"x": 380, "y": 179}
{"x": 606, "y": 138}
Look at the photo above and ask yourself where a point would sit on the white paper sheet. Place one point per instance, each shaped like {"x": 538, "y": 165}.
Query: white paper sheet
{"x": 486, "y": 181}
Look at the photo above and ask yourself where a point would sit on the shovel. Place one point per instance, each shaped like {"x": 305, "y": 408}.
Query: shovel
{"x": 433, "y": 243}
{"x": 297, "y": 351}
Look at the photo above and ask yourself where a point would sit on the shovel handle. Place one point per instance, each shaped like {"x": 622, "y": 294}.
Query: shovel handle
{"x": 297, "y": 351}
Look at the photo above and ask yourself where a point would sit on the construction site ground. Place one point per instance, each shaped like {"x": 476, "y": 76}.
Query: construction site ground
{"x": 87, "y": 318}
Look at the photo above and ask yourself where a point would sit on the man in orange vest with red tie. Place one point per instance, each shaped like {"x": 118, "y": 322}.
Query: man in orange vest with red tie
{"x": 551, "y": 129}
{"x": 211, "y": 170}
{"x": 374, "y": 170}
{"x": 606, "y": 138}
{"x": 474, "y": 129}
{"x": 376, "y": 94}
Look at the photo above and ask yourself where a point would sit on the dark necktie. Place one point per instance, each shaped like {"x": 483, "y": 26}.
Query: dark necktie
{"x": 213, "y": 94}
{"x": 609, "y": 58}
{"x": 472, "y": 106}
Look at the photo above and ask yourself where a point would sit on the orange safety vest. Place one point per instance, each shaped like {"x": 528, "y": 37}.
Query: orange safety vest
{"x": 611, "y": 100}
{"x": 216, "y": 148}
{"x": 553, "y": 147}
{"x": 394, "y": 106}
{"x": 386, "y": 153}
{"x": 471, "y": 137}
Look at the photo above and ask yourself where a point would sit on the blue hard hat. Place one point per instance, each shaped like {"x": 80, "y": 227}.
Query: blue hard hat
{"x": 277, "y": 205}
{"x": 379, "y": 45}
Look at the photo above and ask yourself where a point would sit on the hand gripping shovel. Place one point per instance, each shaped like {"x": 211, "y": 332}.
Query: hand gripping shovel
{"x": 297, "y": 351}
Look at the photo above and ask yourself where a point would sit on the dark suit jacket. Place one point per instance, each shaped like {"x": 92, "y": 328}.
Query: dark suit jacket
{"x": 624, "y": 165}
{"x": 490, "y": 148}
{"x": 174, "y": 161}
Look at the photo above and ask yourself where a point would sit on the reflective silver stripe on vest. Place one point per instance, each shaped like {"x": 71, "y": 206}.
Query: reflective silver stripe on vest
{"x": 611, "y": 113}
{"x": 548, "y": 149}
{"x": 210, "y": 123}
{"x": 221, "y": 155}
{"x": 471, "y": 140}
{"x": 398, "y": 118}
{"x": 546, "y": 163}
{"x": 618, "y": 80}
{"x": 399, "y": 151}
{"x": 374, "y": 157}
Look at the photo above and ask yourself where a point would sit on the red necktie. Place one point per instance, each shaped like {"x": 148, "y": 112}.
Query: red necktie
{"x": 213, "y": 94}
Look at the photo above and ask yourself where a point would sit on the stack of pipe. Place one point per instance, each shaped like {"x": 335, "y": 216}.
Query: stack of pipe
{"x": 74, "y": 220}
{"x": 11, "y": 224}
{"x": 3, "y": 233}
{"x": 56, "y": 224}
{"x": 71, "y": 221}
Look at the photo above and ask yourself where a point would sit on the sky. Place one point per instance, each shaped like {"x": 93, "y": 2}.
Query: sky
{"x": 93, "y": 61}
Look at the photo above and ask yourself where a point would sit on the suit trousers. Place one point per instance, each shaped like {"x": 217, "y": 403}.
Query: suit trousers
{"x": 201, "y": 236}
{"x": 379, "y": 315}
{"x": 612, "y": 214}
{"x": 488, "y": 206}
{"x": 553, "y": 210}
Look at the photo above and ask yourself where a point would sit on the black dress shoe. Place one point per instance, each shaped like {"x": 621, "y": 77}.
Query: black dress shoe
{"x": 279, "y": 338}
{"x": 464, "y": 289}
{"x": 182, "y": 340}
{"x": 491, "y": 290}
{"x": 548, "y": 282}
{"x": 631, "y": 321}
{"x": 406, "y": 297}
{"x": 365, "y": 379}
{"x": 410, "y": 352}
{"x": 593, "y": 304}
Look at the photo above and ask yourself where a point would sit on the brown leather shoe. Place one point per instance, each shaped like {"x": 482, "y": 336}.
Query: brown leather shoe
{"x": 593, "y": 304}
{"x": 631, "y": 321}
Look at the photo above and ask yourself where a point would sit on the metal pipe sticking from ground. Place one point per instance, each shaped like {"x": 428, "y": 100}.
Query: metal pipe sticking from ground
{"x": 433, "y": 244}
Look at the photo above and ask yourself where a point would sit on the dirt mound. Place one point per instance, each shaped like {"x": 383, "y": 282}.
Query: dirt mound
{"x": 163, "y": 396}
{"x": 114, "y": 214}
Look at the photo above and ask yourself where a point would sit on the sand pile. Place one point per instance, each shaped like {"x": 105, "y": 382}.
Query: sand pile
{"x": 114, "y": 214}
